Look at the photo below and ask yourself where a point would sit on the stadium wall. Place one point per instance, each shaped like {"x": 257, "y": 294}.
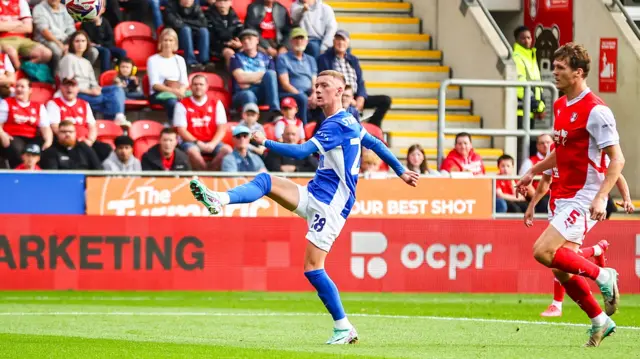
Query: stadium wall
{"x": 39, "y": 252}
{"x": 593, "y": 21}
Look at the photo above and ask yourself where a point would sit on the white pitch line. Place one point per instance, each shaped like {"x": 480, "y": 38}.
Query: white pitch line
{"x": 274, "y": 314}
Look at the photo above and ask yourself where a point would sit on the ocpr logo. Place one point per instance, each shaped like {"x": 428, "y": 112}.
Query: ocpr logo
{"x": 413, "y": 256}
{"x": 368, "y": 243}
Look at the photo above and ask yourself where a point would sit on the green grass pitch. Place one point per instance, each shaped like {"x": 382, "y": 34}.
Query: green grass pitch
{"x": 294, "y": 325}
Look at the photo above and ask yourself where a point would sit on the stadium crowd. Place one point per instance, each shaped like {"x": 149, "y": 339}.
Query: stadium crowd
{"x": 204, "y": 65}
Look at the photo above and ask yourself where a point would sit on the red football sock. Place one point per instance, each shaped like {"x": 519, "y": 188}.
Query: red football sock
{"x": 587, "y": 252}
{"x": 571, "y": 262}
{"x": 558, "y": 291}
{"x": 578, "y": 290}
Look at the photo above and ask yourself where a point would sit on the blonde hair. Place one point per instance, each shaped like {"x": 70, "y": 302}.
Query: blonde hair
{"x": 368, "y": 156}
{"x": 168, "y": 32}
{"x": 335, "y": 74}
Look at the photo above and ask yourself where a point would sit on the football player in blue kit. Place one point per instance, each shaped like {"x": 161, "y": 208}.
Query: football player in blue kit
{"x": 325, "y": 202}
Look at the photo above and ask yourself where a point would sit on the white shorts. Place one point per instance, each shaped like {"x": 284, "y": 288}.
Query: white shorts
{"x": 572, "y": 220}
{"x": 323, "y": 222}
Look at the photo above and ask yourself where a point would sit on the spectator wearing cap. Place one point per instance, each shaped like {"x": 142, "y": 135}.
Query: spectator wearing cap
{"x": 318, "y": 20}
{"x": 297, "y": 73}
{"x": 241, "y": 159}
{"x": 289, "y": 108}
{"x": 69, "y": 107}
{"x": 67, "y": 153}
{"x": 462, "y": 159}
{"x": 165, "y": 156}
{"x": 278, "y": 163}
{"x": 272, "y": 22}
{"x": 337, "y": 58}
{"x": 20, "y": 122}
{"x": 186, "y": 18}
{"x": 108, "y": 100}
{"x": 250, "y": 114}
{"x": 30, "y": 158}
{"x": 201, "y": 124}
{"x": 122, "y": 159}
{"x": 168, "y": 79}
{"x": 254, "y": 75}
{"x": 224, "y": 29}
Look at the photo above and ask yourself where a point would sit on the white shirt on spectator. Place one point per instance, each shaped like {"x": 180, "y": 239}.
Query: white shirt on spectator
{"x": 160, "y": 68}
{"x": 282, "y": 123}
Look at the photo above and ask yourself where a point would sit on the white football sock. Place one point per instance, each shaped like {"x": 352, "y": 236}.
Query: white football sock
{"x": 599, "y": 319}
{"x": 597, "y": 251}
{"x": 557, "y": 305}
{"x": 603, "y": 276}
{"x": 224, "y": 198}
{"x": 342, "y": 324}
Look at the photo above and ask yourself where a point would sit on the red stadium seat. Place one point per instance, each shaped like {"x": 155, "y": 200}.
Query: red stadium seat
{"x": 309, "y": 128}
{"x": 240, "y": 7}
{"x": 108, "y": 131}
{"x": 146, "y": 89}
{"x": 145, "y": 134}
{"x": 374, "y": 130}
{"x": 228, "y": 135}
{"x": 270, "y": 130}
{"x": 214, "y": 80}
{"x": 139, "y": 49}
{"x": 287, "y": 4}
{"x": 131, "y": 29}
{"x": 42, "y": 92}
{"x": 222, "y": 95}
{"x": 107, "y": 77}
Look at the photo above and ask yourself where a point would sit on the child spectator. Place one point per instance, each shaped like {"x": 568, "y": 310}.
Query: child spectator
{"x": 224, "y": 28}
{"x": 250, "y": 114}
{"x": 507, "y": 199}
{"x": 417, "y": 161}
{"x": 289, "y": 109}
{"x": 128, "y": 80}
{"x": 347, "y": 102}
{"x": 30, "y": 158}
{"x": 370, "y": 165}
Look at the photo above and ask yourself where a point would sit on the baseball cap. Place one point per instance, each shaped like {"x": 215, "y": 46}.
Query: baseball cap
{"x": 288, "y": 102}
{"x": 299, "y": 32}
{"x": 250, "y": 107}
{"x": 123, "y": 141}
{"x": 32, "y": 149}
{"x": 343, "y": 34}
{"x": 240, "y": 129}
{"x": 69, "y": 81}
{"x": 248, "y": 32}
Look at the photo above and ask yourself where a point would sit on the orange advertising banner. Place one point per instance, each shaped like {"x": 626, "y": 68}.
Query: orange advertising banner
{"x": 375, "y": 198}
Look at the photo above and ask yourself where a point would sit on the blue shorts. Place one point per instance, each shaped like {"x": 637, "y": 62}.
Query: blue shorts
{"x": 185, "y": 146}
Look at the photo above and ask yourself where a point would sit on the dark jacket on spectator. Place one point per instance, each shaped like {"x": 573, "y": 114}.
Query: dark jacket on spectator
{"x": 222, "y": 28}
{"x": 273, "y": 161}
{"x": 325, "y": 62}
{"x": 152, "y": 160}
{"x": 80, "y": 157}
{"x": 101, "y": 35}
{"x": 255, "y": 15}
{"x": 177, "y": 17}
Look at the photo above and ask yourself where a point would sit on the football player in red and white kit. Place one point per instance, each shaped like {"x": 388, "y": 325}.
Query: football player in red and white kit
{"x": 201, "y": 124}
{"x": 584, "y": 131}
{"x": 20, "y": 120}
{"x": 597, "y": 251}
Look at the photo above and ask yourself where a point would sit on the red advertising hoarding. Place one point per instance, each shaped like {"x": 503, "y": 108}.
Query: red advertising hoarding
{"x": 401, "y": 255}
{"x": 608, "y": 75}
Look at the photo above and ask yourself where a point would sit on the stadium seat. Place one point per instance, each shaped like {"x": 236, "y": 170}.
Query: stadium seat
{"x": 228, "y": 135}
{"x": 287, "y": 4}
{"x": 214, "y": 80}
{"x": 270, "y": 130}
{"x": 146, "y": 89}
{"x": 308, "y": 129}
{"x": 106, "y": 79}
{"x": 131, "y": 29}
{"x": 108, "y": 131}
{"x": 42, "y": 92}
{"x": 145, "y": 134}
{"x": 139, "y": 49}
{"x": 240, "y": 6}
{"x": 374, "y": 130}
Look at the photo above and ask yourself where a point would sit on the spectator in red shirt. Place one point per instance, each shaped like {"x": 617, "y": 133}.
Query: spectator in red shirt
{"x": 462, "y": 158}
{"x": 16, "y": 27}
{"x": 30, "y": 158}
{"x": 201, "y": 124}
{"x": 289, "y": 109}
{"x": 272, "y": 22}
{"x": 165, "y": 156}
{"x": 507, "y": 199}
{"x": 20, "y": 122}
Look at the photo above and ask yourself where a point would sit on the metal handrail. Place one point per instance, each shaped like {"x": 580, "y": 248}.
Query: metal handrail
{"x": 630, "y": 21}
{"x": 526, "y": 132}
{"x": 493, "y": 23}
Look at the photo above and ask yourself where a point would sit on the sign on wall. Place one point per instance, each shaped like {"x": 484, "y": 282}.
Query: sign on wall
{"x": 608, "y": 75}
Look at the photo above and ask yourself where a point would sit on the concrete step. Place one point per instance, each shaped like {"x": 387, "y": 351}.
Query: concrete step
{"x": 490, "y": 154}
{"x": 392, "y": 41}
{"x": 398, "y": 55}
{"x": 405, "y": 73}
{"x": 489, "y": 167}
{"x": 430, "y": 104}
{"x": 371, "y": 7}
{"x": 410, "y": 89}
{"x": 409, "y": 25}
{"x": 400, "y": 139}
{"x": 402, "y": 121}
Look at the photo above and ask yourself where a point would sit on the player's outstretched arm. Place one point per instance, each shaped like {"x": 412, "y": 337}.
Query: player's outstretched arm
{"x": 380, "y": 149}
{"x": 541, "y": 190}
{"x": 297, "y": 151}
{"x": 546, "y": 164}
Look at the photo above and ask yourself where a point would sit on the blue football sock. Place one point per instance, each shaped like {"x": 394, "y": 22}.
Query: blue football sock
{"x": 327, "y": 291}
{"x": 252, "y": 191}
